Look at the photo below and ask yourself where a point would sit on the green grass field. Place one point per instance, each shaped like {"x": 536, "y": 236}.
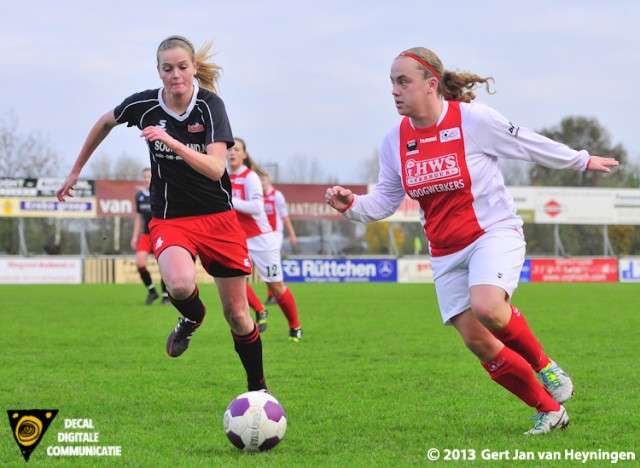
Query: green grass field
{"x": 377, "y": 381}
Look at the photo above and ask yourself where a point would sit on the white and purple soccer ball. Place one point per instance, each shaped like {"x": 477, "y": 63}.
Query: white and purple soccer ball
{"x": 255, "y": 421}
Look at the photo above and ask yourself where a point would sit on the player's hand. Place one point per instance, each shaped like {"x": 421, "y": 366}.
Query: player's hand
{"x": 67, "y": 187}
{"x": 152, "y": 133}
{"x": 601, "y": 164}
{"x": 339, "y": 198}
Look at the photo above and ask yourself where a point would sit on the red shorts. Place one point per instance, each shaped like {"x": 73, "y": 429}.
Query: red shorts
{"x": 218, "y": 239}
{"x": 144, "y": 243}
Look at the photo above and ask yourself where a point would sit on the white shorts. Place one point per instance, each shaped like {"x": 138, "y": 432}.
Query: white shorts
{"x": 268, "y": 265}
{"x": 495, "y": 258}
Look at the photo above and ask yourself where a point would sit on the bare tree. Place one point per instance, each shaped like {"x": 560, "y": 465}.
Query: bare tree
{"x": 304, "y": 170}
{"x": 25, "y": 155}
{"x": 125, "y": 167}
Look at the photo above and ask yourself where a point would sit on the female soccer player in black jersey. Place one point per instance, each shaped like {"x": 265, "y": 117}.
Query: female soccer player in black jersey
{"x": 188, "y": 133}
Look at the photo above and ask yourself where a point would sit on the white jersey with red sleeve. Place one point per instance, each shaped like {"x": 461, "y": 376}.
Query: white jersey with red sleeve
{"x": 451, "y": 169}
{"x": 248, "y": 202}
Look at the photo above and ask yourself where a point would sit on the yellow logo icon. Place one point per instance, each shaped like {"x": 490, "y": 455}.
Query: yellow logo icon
{"x": 28, "y": 427}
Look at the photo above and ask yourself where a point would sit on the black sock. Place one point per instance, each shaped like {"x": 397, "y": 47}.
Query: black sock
{"x": 191, "y": 307}
{"x": 146, "y": 278}
{"x": 249, "y": 348}
{"x": 164, "y": 288}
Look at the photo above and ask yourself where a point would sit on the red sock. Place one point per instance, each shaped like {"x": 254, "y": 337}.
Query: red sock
{"x": 518, "y": 336}
{"x": 288, "y": 306}
{"x": 254, "y": 302}
{"x": 510, "y": 370}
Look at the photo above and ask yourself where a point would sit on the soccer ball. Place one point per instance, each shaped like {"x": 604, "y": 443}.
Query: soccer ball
{"x": 255, "y": 421}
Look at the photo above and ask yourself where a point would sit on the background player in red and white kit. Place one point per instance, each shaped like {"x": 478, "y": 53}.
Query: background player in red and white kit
{"x": 275, "y": 207}
{"x": 187, "y": 131}
{"x": 141, "y": 241}
{"x": 264, "y": 246}
{"x": 444, "y": 154}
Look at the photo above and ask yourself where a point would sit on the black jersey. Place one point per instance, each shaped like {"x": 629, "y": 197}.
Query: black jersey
{"x": 143, "y": 206}
{"x": 176, "y": 188}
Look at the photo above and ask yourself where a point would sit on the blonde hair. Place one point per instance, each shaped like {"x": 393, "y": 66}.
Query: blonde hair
{"x": 453, "y": 86}
{"x": 208, "y": 73}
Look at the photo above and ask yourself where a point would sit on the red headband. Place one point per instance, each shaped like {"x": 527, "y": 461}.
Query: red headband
{"x": 422, "y": 62}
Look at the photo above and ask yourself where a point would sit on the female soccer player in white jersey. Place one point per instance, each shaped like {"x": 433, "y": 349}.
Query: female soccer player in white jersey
{"x": 264, "y": 246}
{"x": 444, "y": 154}
{"x": 275, "y": 207}
{"x": 187, "y": 131}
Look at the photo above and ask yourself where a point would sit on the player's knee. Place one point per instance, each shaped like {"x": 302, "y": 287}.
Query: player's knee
{"x": 239, "y": 320}
{"x": 179, "y": 288}
{"x": 277, "y": 289}
{"x": 489, "y": 313}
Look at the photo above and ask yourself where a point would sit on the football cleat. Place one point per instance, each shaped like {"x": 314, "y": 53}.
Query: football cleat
{"x": 295, "y": 334}
{"x": 557, "y": 382}
{"x": 271, "y": 300}
{"x": 153, "y": 295}
{"x": 178, "y": 340}
{"x": 547, "y": 422}
{"x": 261, "y": 320}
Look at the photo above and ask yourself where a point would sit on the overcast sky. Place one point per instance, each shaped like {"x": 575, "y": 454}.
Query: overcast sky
{"x": 311, "y": 79}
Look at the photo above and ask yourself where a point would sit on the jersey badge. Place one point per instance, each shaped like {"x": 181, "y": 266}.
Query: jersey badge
{"x": 450, "y": 134}
{"x": 195, "y": 128}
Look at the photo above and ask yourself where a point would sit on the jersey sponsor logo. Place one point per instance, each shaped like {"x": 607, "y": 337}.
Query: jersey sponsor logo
{"x": 495, "y": 365}
{"x": 195, "y": 128}
{"x": 440, "y": 168}
{"x": 450, "y": 134}
{"x": 436, "y": 188}
{"x": 428, "y": 140}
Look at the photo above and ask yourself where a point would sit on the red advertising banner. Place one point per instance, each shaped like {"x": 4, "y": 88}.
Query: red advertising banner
{"x": 116, "y": 197}
{"x": 574, "y": 270}
{"x": 306, "y": 201}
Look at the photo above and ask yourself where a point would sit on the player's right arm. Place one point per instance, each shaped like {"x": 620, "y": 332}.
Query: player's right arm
{"x": 386, "y": 196}
{"x": 137, "y": 227}
{"x": 97, "y": 134}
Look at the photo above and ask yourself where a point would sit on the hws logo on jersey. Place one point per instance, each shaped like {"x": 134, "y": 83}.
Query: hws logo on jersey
{"x": 450, "y": 134}
{"x": 421, "y": 172}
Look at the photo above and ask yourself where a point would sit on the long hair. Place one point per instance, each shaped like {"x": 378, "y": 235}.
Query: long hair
{"x": 452, "y": 85}
{"x": 248, "y": 161}
{"x": 208, "y": 73}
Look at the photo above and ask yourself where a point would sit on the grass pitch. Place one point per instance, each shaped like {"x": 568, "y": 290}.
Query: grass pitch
{"x": 376, "y": 381}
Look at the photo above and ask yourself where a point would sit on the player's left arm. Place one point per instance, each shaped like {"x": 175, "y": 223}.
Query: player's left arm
{"x": 601, "y": 164}
{"x": 289, "y": 227}
{"x": 253, "y": 203}
{"x": 211, "y": 165}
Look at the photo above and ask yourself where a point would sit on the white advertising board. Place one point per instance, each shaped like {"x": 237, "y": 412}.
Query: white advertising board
{"x": 40, "y": 270}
